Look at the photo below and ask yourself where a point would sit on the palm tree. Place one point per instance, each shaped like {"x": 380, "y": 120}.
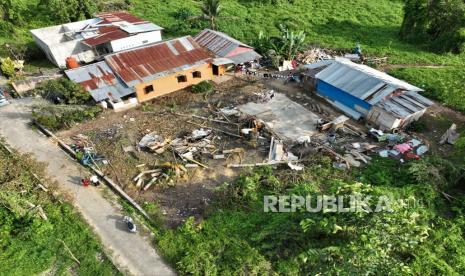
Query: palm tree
{"x": 211, "y": 10}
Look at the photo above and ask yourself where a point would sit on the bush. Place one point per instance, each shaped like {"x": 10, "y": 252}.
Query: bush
{"x": 202, "y": 87}
{"x": 61, "y": 116}
{"x": 441, "y": 24}
{"x": 64, "y": 89}
{"x": 8, "y": 67}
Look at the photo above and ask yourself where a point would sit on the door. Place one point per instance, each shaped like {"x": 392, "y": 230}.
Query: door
{"x": 215, "y": 70}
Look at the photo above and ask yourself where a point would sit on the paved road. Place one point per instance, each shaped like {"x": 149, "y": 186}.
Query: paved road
{"x": 132, "y": 253}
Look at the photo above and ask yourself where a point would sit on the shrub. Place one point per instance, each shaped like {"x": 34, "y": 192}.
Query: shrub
{"x": 7, "y": 66}
{"x": 202, "y": 87}
{"x": 61, "y": 116}
{"x": 439, "y": 23}
{"x": 68, "y": 91}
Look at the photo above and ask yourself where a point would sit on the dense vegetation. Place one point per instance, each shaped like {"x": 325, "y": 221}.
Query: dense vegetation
{"x": 202, "y": 87}
{"x": 57, "y": 117}
{"x": 29, "y": 244}
{"x": 423, "y": 235}
{"x": 63, "y": 90}
{"x": 440, "y": 22}
{"x": 70, "y": 99}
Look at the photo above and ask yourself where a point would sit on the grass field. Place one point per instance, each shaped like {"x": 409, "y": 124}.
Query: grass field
{"x": 30, "y": 245}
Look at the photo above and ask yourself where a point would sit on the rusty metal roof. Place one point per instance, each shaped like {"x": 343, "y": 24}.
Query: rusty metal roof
{"x": 100, "y": 81}
{"x": 106, "y": 34}
{"x": 110, "y": 17}
{"x": 219, "y": 43}
{"x": 222, "y": 45}
{"x": 117, "y": 25}
{"x": 157, "y": 60}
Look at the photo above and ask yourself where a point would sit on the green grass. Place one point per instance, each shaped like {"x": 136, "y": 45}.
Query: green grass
{"x": 447, "y": 85}
{"x": 30, "y": 245}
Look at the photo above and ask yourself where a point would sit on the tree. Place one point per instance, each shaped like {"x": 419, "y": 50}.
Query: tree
{"x": 289, "y": 43}
{"x": 69, "y": 10}
{"x": 68, "y": 91}
{"x": 439, "y": 23}
{"x": 283, "y": 47}
{"x": 12, "y": 10}
{"x": 211, "y": 10}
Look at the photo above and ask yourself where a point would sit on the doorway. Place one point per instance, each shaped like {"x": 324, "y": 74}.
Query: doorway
{"x": 215, "y": 70}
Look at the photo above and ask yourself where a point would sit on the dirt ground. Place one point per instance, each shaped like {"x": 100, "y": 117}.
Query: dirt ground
{"x": 180, "y": 197}
{"x": 188, "y": 195}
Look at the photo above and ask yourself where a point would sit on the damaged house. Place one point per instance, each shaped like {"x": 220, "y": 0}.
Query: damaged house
{"x": 363, "y": 92}
{"x": 144, "y": 73}
{"x": 225, "y": 48}
{"x": 89, "y": 40}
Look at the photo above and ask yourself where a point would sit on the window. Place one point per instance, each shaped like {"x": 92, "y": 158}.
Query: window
{"x": 148, "y": 89}
{"x": 196, "y": 74}
{"x": 182, "y": 78}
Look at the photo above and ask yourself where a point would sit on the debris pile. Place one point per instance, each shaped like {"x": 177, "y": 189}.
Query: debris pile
{"x": 313, "y": 55}
{"x": 400, "y": 146}
{"x": 450, "y": 136}
{"x": 85, "y": 151}
{"x": 154, "y": 142}
{"x": 158, "y": 174}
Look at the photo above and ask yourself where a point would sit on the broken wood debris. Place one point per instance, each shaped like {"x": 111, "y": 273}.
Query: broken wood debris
{"x": 450, "y": 136}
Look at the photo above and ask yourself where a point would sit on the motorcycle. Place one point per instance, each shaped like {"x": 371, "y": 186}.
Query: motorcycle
{"x": 130, "y": 223}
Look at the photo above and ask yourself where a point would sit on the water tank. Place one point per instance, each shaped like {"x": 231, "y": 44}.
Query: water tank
{"x": 71, "y": 63}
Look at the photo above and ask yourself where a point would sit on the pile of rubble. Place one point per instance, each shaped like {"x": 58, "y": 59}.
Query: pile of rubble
{"x": 85, "y": 151}
{"x": 313, "y": 55}
{"x": 148, "y": 177}
{"x": 387, "y": 145}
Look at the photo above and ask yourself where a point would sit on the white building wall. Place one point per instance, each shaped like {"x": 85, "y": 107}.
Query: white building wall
{"x": 135, "y": 41}
{"x": 74, "y": 49}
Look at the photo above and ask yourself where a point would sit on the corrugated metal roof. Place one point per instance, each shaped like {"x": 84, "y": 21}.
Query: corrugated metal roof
{"x": 375, "y": 87}
{"x": 117, "y": 25}
{"x": 245, "y": 57}
{"x": 110, "y": 17}
{"x": 219, "y": 43}
{"x": 360, "y": 80}
{"x": 222, "y": 44}
{"x": 109, "y": 34}
{"x": 140, "y": 28}
{"x": 405, "y": 104}
{"x": 156, "y": 60}
{"x": 100, "y": 81}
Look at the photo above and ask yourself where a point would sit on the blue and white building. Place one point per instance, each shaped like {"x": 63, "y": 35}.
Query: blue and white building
{"x": 363, "y": 92}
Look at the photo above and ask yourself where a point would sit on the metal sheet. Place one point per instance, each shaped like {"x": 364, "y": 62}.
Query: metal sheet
{"x": 150, "y": 62}
{"x": 100, "y": 81}
{"x": 245, "y": 57}
{"x": 222, "y": 61}
{"x": 359, "y": 80}
{"x": 219, "y": 43}
{"x": 141, "y": 28}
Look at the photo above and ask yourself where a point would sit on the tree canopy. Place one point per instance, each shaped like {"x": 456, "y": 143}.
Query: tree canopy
{"x": 439, "y": 23}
